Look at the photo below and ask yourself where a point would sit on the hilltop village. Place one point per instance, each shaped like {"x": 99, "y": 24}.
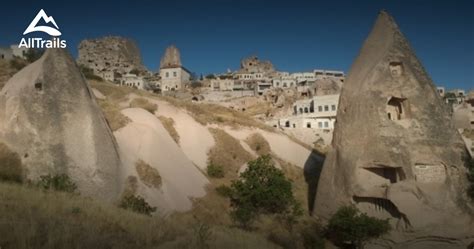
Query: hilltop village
{"x": 126, "y": 157}
{"x": 302, "y": 104}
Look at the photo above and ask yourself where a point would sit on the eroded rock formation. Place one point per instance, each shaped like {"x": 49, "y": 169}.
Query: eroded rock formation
{"x": 253, "y": 65}
{"x": 49, "y": 116}
{"x": 395, "y": 152}
{"x": 111, "y": 53}
{"x": 171, "y": 58}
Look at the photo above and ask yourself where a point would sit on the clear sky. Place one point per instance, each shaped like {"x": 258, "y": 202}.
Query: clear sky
{"x": 295, "y": 35}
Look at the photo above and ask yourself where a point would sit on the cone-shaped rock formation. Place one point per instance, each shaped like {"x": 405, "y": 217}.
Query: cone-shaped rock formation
{"x": 49, "y": 116}
{"x": 395, "y": 153}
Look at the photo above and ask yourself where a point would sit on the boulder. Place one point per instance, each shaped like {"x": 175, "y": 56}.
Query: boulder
{"x": 49, "y": 116}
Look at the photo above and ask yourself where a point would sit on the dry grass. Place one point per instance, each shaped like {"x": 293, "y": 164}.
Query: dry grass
{"x": 7, "y": 70}
{"x": 32, "y": 218}
{"x": 228, "y": 153}
{"x": 148, "y": 175}
{"x": 11, "y": 168}
{"x": 37, "y": 219}
{"x": 215, "y": 114}
{"x": 114, "y": 117}
{"x": 144, "y": 104}
{"x": 168, "y": 123}
{"x": 259, "y": 144}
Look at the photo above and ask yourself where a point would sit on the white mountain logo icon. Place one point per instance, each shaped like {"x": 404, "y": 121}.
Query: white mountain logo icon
{"x": 48, "y": 19}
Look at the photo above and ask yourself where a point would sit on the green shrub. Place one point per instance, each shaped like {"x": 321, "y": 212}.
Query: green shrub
{"x": 11, "y": 168}
{"x": 215, "y": 171}
{"x": 136, "y": 204}
{"x": 262, "y": 189}
{"x": 349, "y": 225}
{"x": 60, "y": 182}
{"x": 224, "y": 191}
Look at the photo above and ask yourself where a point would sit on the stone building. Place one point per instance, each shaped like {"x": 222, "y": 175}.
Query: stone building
{"x": 219, "y": 84}
{"x": 173, "y": 75}
{"x": 133, "y": 80}
{"x": 6, "y": 54}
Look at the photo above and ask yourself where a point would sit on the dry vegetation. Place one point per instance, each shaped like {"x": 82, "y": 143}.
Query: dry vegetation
{"x": 148, "y": 175}
{"x": 259, "y": 144}
{"x": 9, "y": 68}
{"x": 114, "y": 117}
{"x": 210, "y": 113}
{"x": 144, "y": 104}
{"x": 228, "y": 153}
{"x": 44, "y": 219}
{"x": 168, "y": 123}
{"x": 10, "y": 165}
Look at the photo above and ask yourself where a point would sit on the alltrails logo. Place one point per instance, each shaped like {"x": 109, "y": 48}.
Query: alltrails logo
{"x": 36, "y": 42}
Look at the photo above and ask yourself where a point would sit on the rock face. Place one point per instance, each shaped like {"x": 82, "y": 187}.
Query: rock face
{"x": 327, "y": 86}
{"x": 111, "y": 53}
{"x": 253, "y": 65}
{"x": 49, "y": 116}
{"x": 145, "y": 139}
{"x": 395, "y": 153}
{"x": 171, "y": 58}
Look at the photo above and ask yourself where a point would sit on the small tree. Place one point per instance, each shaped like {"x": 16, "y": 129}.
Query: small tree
{"x": 261, "y": 189}
{"x": 61, "y": 182}
{"x": 349, "y": 225}
{"x": 215, "y": 171}
{"x": 136, "y": 204}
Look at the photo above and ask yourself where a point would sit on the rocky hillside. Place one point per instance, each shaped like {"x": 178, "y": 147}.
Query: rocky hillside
{"x": 113, "y": 53}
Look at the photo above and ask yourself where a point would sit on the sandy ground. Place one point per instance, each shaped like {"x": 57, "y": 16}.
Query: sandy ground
{"x": 98, "y": 94}
{"x": 145, "y": 138}
{"x": 194, "y": 139}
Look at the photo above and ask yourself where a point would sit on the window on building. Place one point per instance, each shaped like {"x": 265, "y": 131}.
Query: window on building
{"x": 175, "y": 74}
{"x": 306, "y": 110}
{"x": 287, "y": 124}
{"x": 320, "y": 124}
{"x": 326, "y": 108}
{"x": 167, "y": 75}
{"x": 326, "y": 124}
{"x": 333, "y": 107}
{"x": 308, "y": 125}
{"x": 320, "y": 108}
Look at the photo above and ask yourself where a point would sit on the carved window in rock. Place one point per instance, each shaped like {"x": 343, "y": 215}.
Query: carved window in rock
{"x": 287, "y": 124}
{"x": 384, "y": 173}
{"x": 429, "y": 173}
{"x": 39, "y": 86}
{"x": 396, "y": 108}
{"x": 396, "y": 69}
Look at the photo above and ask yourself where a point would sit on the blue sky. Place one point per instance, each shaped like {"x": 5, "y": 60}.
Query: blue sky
{"x": 295, "y": 35}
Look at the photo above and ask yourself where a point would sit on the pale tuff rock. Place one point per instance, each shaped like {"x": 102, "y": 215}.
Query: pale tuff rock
{"x": 395, "y": 152}
{"x": 327, "y": 86}
{"x": 171, "y": 58}
{"x": 49, "y": 116}
{"x": 253, "y": 65}
{"x": 111, "y": 53}
{"x": 145, "y": 139}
